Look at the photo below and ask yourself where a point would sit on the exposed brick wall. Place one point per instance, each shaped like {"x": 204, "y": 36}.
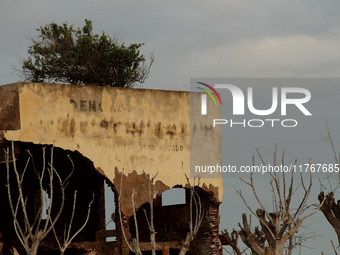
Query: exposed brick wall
{"x": 123, "y": 248}
{"x": 207, "y": 241}
{"x": 215, "y": 244}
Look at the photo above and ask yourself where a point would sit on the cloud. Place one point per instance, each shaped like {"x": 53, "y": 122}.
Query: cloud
{"x": 291, "y": 56}
{"x": 194, "y": 38}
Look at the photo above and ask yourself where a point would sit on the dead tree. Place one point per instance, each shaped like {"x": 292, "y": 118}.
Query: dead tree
{"x": 195, "y": 222}
{"x": 151, "y": 222}
{"x": 279, "y": 226}
{"x": 14, "y": 251}
{"x": 67, "y": 237}
{"x": 136, "y": 248}
{"x": 331, "y": 208}
{"x": 232, "y": 238}
{"x": 32, "y": 232}
{"x": 258, "y": 236}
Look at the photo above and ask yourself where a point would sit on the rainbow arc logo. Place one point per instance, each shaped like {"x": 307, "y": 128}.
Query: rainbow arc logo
{"x": 204, "y": 97}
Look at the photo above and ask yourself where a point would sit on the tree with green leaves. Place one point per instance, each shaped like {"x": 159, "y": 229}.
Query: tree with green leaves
{"x": 63, "y": 54}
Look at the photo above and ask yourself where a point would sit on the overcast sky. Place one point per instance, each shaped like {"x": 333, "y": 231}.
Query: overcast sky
{"x": 194, "y": 38}
{"x": 190, "y": 39}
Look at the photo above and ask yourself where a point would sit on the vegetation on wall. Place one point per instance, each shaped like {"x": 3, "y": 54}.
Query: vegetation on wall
{"x": 63, "y": 54}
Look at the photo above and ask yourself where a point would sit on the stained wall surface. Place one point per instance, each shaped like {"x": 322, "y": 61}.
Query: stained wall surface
{"x": 118, "y": 129}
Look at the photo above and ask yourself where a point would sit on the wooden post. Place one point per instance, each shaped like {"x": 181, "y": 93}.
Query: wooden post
{"x": 166, "y": 250}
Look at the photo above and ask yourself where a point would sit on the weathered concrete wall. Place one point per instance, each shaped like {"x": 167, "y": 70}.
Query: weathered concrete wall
{"x": 116, "y": 128}
{"x": 9, "y": 108}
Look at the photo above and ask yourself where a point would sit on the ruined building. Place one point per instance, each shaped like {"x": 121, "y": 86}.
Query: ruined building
{"x": 108, "y": 132}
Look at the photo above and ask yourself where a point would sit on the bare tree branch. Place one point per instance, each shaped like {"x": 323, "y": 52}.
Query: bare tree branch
{"x": 67, "y": 238}
{"x": 284, "y": 222}
{"x": 193, "y": 225}
{"x": 331, "y": 208}
{"x": 31, "y": 234}
{"x": 233, "y": 240}
{"x": 151, "y": 223}
{"x": 120, "y": 213}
